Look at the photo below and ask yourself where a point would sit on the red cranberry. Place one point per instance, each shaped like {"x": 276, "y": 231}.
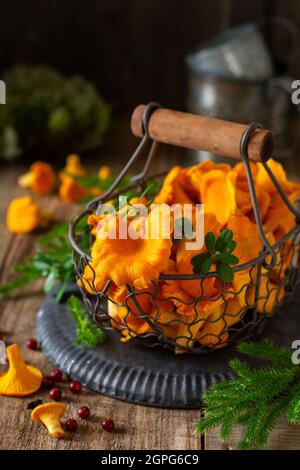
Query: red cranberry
{"x": 75, "y": 386}
{"x": 71, "y": 424}
{"x": 83, "y": 412}
{"x": 55, "y": 394}
{"x": 108, "y": 425}
{"x": 48, "y": 382}
{"x": 56, "y": 374}
{"x": 32, "y": 343}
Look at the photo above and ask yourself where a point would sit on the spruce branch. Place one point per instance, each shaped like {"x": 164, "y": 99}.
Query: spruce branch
{"x": 256, "y": 398}
{"x": 273, "y": 411}
{"x": 294, "y": 409}
{"x": 265, "y": 350}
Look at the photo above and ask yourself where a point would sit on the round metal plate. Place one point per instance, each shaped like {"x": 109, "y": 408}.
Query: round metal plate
{"x": 148, "y": 376}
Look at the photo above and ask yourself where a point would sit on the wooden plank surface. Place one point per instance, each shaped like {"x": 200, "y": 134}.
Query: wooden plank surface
{"x": 148, "y": 40}
{"x": 8, "y": 190}
{"x": 138, "y": 427}
{"x": 284, "y": 436}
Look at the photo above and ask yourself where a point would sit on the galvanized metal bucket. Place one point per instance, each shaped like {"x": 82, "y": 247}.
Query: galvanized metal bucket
{"x": 232, "y": 77}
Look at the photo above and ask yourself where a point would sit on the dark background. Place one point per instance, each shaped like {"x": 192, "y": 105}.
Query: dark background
{"x": 132, "y": 49}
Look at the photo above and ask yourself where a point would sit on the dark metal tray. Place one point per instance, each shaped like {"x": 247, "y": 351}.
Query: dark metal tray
{"x": 148, "y": 376}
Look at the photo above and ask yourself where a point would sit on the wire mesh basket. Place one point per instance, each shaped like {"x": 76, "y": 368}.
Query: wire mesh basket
{"x": 235, "y": 311}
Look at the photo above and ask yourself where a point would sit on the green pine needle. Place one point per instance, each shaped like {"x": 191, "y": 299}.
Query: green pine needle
{"x": 266, "y": 350}
{"x": 87, "y": 333}
{"x": 294, "y": 410}
{"x": 256, "y": 398}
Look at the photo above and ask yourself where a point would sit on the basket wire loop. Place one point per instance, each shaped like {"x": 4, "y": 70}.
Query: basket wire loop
{"x": 244, "y": 154}
{"x": 137, "y": 179}
{"x": 137, "y": 153}
{"x": 256, "y": 294}
{"x": 72, "y": 234}
{"x": 140, "y": 178}
{"x": 225, "y": 326}
{"x": 144, "y": 316}
{"x": 281, "y": 192}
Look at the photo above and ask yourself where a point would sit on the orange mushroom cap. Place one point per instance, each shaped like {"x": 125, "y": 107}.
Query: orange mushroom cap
{"x": 24, "y": 215}
{"x": 104, "y": 172}
{"x": 20, "y": 379}
{"x": 40, "y": 179}
{"x": 73, "y": 167}
{"x": 70, "y": 190}
{"x": 49, "y": 414}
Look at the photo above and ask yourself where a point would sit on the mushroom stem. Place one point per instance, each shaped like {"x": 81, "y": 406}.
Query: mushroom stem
{"x": 25, "y": 180}
{"x": 20, "y": 379}
{"x": 15, "y": 360}
{"x": 53, "y": 425}
{"x": 49, "y": 415}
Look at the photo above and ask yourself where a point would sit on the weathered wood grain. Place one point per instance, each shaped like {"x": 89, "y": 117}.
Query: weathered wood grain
{"x": 137, "y": 427}
{"x": 284, "y": 437}
{"x": 148, "y": 40}
{"x": 8, "y": 190}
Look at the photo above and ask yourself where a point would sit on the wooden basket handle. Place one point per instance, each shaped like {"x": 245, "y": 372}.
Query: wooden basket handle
{"x": 202, "y": 133}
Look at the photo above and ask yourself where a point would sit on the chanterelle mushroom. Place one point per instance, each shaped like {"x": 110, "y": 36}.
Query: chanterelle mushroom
{"x": 40, "y": 179}
{"x": 49, "y": 414}
{"x": 20, "y": 379}
{"x": 24, "y": 215}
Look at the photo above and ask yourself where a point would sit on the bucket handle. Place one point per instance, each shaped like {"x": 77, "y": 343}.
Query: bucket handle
{"x": 239, "y": 141}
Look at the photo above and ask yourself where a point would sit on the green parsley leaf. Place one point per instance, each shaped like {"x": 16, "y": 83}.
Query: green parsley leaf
{"x": 202, "y": 263}
{"x": 225, "y": 272}
{"x": 227, "y": 258}
{"x": 210, "y": 242}
{"x": 231, "y": 246}
{"x": 224, "y": 240}
{"x": 87, "y": 333}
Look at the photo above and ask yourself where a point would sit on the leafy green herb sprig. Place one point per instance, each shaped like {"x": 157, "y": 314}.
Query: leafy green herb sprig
{"x": 87, "y": 333}
{"x": 150, "y": 191}
{"x": 93, "y": 181}
{"x": 52, "y": 261}
{"x": 256, "y": 398}
{"x": 219, "y": 251}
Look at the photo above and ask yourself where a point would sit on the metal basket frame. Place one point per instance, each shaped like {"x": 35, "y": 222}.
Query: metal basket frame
{"x": 271, "y": 259}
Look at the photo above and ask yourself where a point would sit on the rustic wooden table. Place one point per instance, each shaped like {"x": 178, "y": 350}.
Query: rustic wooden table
{"x": 138, "y": 427}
